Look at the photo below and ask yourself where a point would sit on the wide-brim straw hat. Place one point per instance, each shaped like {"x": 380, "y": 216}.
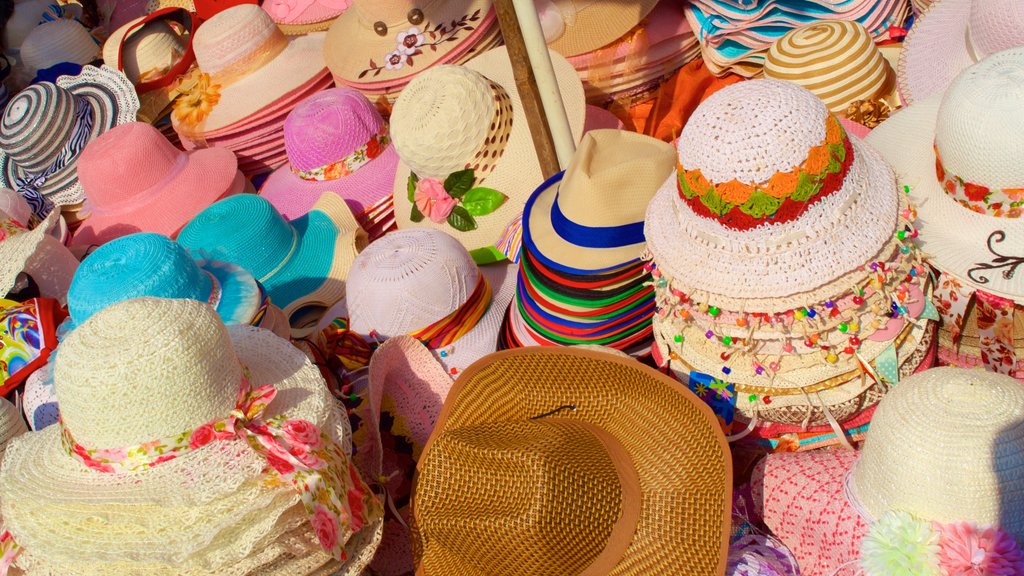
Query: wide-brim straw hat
{"x": 38, "y": 121}
{"x": 976, "y": 125}
{"x": 247, "y": 80}
{"x": 516, "y": 172}
{"x": 952, "y": 35}
{"x": 822, "y": 503}
{"x": 203, "y": 511}
{"x": 573, "y": 27}
{"x": 442, "y": 275}
{"x": 631, "y": 470}
{"x": 36, "y": 252}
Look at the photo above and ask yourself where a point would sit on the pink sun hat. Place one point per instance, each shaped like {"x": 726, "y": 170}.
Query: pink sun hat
{"x": 137, "y": 181}
{"x": 336, "y": 142}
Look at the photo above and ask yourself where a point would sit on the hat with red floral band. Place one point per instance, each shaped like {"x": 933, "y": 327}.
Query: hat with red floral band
{"x": 918, "y": 500}
{"x": 959, "y": 154}
{"x": 198, "y": 444}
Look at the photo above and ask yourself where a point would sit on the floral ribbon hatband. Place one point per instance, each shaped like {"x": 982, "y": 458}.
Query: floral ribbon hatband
{"x": 359, "y": 157}
{"x": 337, "y": 500}
{"x": 994, "y": 319}
{"x": 998, "y": 202}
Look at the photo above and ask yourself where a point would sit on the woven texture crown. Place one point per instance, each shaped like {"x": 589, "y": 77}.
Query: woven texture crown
{"x": 63, "y": 40}
{"x": 126, "y": 161}
{"x": 329, "y": 126}
{"x": 236, "y": 35}
{"x": 36, "y": 124}
{"x": 994, "y": 25}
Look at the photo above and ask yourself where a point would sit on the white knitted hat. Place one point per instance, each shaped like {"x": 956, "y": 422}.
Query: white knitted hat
{"x": 410, "y": 279}
{"x": 63, "y": 40}
{"x": 147, "y": 369}
{"x": 972, "y": 223}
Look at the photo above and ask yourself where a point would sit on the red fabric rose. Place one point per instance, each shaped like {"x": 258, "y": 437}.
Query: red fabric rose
{"x": 201, "y": 436}
{"x": 974, "y": 192}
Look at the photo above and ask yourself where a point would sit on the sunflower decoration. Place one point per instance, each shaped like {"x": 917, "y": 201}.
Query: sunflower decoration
{"x": 198, "y": 96}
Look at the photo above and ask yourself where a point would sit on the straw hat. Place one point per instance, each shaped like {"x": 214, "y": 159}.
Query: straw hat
{"x": 11, "y": 424}
{"x": 52, "y": 43}
{"x": 779, "y": 250}
{"x": 147, "y": 264}
{"x": 952, "y": 35}
{"x": 251, "y": 64}
{"x": 31, "y": 248}
{"x": 336, "y": 142}
{"x": 452, "y": 119}
{"x": 137, "y": 181}
{"x": 302, "y": 263}
{"x": 972, "y": 221}
{"x": 423, "y": 283}
{"x": 150, "y": 369}
{"x": 833, "y": 507}
{"x": 46, "y": 126}
{"x": 618, "y": 470}
{"x": 150, "y": 51}
{"x": 572, "y": 27}
{"x": 836, "y": 60}
{"x": 385, "y": 40}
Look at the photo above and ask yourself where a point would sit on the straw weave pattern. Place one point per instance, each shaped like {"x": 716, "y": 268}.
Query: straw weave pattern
{"x": 36, "y": 124}
{"x": 994, "y": 26}
{"x": 232, "y": 37}
{"x": 329, "y": 126}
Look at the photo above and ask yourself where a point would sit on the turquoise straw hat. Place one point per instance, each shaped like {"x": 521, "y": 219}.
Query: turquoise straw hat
{"x": 302, "y": 264}
{"x": 147, "y": 264}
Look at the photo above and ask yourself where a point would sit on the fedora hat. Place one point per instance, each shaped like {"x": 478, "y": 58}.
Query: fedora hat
{"x": 153, "y": 438}
{"x": 247, "y": 64}
{"x": 950, "y": 36}
{"x": 303, "y": 263}
{"x": 46, "y": 126}
{"x": 52, "y": 43}
{"x": 837, "y": 61}
{"x": 617, "y": 470}
{"x": 906, "y": 504}
{"x": 458, "y": 306}
{"x": 467, "y": 163}
{"x": 336, "y": 142}
{"x": 778, "y": 252}
{"x": 573, "y": 27}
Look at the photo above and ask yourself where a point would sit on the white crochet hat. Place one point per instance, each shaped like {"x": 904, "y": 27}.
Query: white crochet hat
{"x": 411, "y": 279}
{"x": 145, "y": 370}
{"x": 972, "y": 221}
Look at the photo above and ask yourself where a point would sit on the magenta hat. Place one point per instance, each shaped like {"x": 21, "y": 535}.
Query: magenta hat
{"x": 137, "y": 181}
{"x": 336, "y": 142}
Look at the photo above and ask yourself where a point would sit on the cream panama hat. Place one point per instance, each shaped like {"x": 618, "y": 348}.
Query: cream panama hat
{"x": 150, "y": 471}
{"x": 467, "y": 163}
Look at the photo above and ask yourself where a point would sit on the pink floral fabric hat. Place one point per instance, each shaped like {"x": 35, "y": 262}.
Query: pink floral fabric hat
{"x": 916, "y": 500}
{"x": 337, "y": 142}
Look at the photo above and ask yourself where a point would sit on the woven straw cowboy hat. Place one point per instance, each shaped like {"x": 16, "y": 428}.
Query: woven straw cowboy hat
{"x": 836, "y": 60}
{"x": 824, "y": 504}
{"x": 972, "y": 223}
{"x": 454, "y": 118}
{"x": 423, "y": 283}
{"x": 46, "y": 126}
{"x": 573, "y": 27}
{"x": 952, "y": 35}
{"x": 617, "y": 471}
{"x": 154, "y": 369}
{"x": 386, "y": 40}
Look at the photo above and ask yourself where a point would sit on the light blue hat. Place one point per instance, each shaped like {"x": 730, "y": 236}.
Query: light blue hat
{"x": 147, "y": 264}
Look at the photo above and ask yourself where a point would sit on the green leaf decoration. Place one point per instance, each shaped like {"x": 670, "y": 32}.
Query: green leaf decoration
{"x": 684, "y": 187}
{"x": 461, "y": 220}
{"x": 834, "y": 165}
{"x": 458, "y": 183}
{"x": 806, "y": 186}
{"x": 482, "y": 201}
{"x": 416, "y": 215}
{"x": 413, "y": 181}
{"x": 840, "y": 151}
{"x": 715, "y": 203}
{"x": 760, "y": 205}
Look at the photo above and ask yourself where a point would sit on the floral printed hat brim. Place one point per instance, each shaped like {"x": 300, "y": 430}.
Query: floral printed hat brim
{"x": 355, "y": 53}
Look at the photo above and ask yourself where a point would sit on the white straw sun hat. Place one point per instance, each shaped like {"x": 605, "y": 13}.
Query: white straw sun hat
{"x": 62, "y": 40}
{"x": 150, "y": 370}
{"x": 410, "y": 280}
{"x": 972, "y": 223}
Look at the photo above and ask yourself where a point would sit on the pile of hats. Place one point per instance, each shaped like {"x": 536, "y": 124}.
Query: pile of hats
{"x": 379, "y": 46}
{"x": 735, "y": 35}
{"x": 789, "y": 291}
{"x": 581, "y": 279}
{"x": 248, "y": 77}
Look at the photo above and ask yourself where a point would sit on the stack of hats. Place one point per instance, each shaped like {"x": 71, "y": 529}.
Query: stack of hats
{"x": 298, "y": 17}
{"x": 735, "y": 35}
{"x": 951, "y": 36}
{"x": 581, "y": 279}
{"x": 378, "y": 46}
{"x": 838, "y": 62}
{"x": 789, "y": 292}
{"x": 249, "y": 75}
{"x": 959, "y": 155}
{"x": 631, "y": 68}
{"x": 337, "y": 142}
